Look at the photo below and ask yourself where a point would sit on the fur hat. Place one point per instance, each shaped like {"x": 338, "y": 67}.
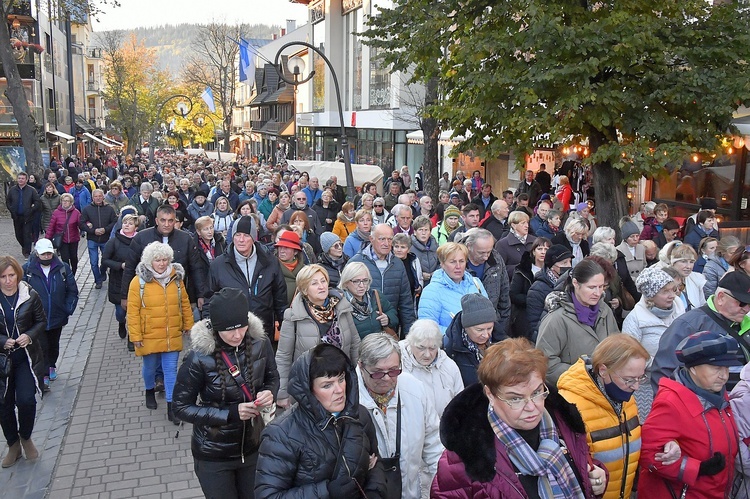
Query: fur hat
{"x": 476, "y": 309}
{"x": 651, "y": 280}
{"x": 328, "y": 239}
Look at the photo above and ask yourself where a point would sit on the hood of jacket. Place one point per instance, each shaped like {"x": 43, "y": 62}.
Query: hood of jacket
{"x": 204, "y": 341}
{"x": 411, "y": 364}
{"x": 578, "y": 380}
{"x": 465, "y": 428}
{"x": 147, "y": 275}
{"x": 299, "y": 388}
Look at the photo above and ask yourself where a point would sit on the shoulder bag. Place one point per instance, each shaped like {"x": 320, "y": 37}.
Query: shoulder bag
{"x": 267, "y": 413}
{"x": 392, "y": 465}
{"x": 387, "y": 329}
{"x": 57, "y": 238}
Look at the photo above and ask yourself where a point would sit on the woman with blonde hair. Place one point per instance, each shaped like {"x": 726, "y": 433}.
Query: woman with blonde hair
{"x": 158, "y": 314}
{"x": 682, "y": 258}
{"x": 372, "y": 313}
{"x": 317, "y": 314}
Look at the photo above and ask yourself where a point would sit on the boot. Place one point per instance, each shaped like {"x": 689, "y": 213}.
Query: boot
{"x": 151, "y": 399}
{"x": 159, "y": 385}
{"x": 122, "y": 331}
{"x": 29, "y": 450}
{"x": 170, "y": 414}
{"x": 13, "y": 455}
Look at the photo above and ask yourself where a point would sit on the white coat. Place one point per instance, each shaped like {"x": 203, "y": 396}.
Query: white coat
{"x": 442, "y": 378}
{"x": 420, "y": 431}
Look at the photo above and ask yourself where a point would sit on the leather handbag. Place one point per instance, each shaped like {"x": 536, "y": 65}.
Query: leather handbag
{"x": 6, "y": 365}
{"x": 57, "y": 238}
{"x": 387, "y": 329}
{"x": 392, "y": 465}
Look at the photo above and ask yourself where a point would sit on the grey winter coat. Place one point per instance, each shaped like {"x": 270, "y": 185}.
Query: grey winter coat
{"x": 563, "y": 339}
{"x": 713, "y": 271}
{"x": 299, "y": 333}
{"x": 207, "y": 396}
{"x": 427, "y": 254}
{"x": 497, "y": 285}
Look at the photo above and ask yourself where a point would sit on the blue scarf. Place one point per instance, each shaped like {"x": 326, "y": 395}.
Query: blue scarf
{"x": 557, "y": 480}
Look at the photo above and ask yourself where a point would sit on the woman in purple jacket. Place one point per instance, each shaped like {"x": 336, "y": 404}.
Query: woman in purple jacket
{"x": 512, "y": 436}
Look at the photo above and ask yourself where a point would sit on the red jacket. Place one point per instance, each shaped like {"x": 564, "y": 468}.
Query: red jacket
{"x": 57, "y": 225}
{"x": 678, "y": 414}
{"x": 564, "y": 195}
{"x": 470, "y": 468}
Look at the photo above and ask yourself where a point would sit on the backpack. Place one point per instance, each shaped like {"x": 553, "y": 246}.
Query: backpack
{"x": 142, "y": 284}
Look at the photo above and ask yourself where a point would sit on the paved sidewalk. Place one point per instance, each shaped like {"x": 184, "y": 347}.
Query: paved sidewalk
{"x": 95, "y": 436}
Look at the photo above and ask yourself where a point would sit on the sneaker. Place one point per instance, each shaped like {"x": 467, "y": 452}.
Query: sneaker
{"x": 98, "y": 285}
{"x": 159, "y": 386}
{"x": 52, "y": 373}
{"x": 46, "y": 383}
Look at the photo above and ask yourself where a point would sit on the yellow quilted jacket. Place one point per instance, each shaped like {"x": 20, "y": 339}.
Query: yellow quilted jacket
{"x": 614, "y": 440}
{"x": 164, "y": 313}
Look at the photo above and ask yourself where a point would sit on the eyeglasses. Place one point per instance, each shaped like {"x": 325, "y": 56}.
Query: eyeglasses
{"x": 360, "y": 282}
{"x": 631, "y": 382}
{"x": 742, "y": 304}
{"x": 381, "y": 374}
{"x": 516, "y": 403}
{"x": 336, "y": 245}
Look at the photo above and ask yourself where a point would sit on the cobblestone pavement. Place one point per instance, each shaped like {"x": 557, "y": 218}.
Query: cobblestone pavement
{"x": 95, "y": 436}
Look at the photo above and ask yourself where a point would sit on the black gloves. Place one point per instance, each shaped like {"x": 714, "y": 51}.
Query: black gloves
{"x": 712, "y": 465}
{"x": 343, "y": 487}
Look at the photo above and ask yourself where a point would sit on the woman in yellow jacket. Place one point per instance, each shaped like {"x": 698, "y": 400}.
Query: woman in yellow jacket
{"x": 602, "y": 388}
{"x": 345, "y": 223}
{"x": 159, "y": 314}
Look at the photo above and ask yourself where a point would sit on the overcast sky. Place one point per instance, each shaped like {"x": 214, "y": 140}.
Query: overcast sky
{"x": 142, "y": 13}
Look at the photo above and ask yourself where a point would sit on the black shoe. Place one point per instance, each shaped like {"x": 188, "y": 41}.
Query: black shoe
{"x": 150, "y": 399}
{"x": 122, "y": 331}
{"x": 171, "y": 416}
{"x": 159, "y": 387}
{"x": 131, "y": 347}
{"x": 98, "y": 285}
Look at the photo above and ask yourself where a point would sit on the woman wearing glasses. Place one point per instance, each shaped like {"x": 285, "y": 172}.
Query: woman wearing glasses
{"x": 368, "y": 317}
{"x": 602, "y": 387}
{"x": 317, "y": 315}
{"x": 406, "y": 422}
{"x": 512, "y": 436}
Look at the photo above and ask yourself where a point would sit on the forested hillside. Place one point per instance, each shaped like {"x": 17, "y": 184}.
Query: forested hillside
{"x": 172, "y": 42}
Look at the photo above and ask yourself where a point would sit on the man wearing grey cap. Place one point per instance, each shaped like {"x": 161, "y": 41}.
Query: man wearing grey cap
{"x": 725, "y": 312}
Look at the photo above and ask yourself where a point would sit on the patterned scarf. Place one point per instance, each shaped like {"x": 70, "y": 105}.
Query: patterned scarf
{"x": 361, "y": 309}
{"x": 325, "y": 314}
{"x": 518, "y": 236}
{"x": 556, "y": 478}
{"x": 473, "y": 347}
{"x": 381, "y": 400}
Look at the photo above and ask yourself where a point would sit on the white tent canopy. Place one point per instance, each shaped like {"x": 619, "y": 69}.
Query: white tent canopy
{"x": 212, "y": 155}
{"x": 325, "y": 169}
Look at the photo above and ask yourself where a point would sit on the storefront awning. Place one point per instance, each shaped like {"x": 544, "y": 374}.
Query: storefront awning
{"x": 83, "y": 125}
{"x": 97, "y": 139}
{"x": 63, "y": 135}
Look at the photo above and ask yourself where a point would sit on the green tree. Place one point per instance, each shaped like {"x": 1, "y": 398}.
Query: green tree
{"x": 644, "y": 83}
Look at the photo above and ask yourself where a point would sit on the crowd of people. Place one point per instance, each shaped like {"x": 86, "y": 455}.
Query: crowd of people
{"x": 393, "y": 345}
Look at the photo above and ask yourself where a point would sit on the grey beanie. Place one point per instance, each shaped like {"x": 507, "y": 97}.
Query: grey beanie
{"x": 651, "y": 280}
{"x": 328, "y": 239}
{"x": 476, "y": 309}
{"x": 628, "y": 229}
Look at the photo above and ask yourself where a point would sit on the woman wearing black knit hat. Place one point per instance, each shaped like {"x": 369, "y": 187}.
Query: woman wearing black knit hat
{"x": 232, "y": 368}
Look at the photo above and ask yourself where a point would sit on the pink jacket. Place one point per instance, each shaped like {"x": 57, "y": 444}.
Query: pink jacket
{"x": 71, "y": 233}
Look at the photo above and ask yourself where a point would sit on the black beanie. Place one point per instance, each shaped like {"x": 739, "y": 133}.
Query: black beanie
{"x": 228, "y": 310}
{"x": 244, "y": 225}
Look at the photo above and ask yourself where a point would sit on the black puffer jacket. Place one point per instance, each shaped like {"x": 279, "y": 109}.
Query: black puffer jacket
{"x": 523, "y": 278}
{"x": 299, "y": 453}
{"x": 496, "y": 283}
{"x": 218, "y": 435}
{"x": 220, "y": 247}
{"x": 334, "y": 268}
{"x": 540, "y": 288}
{"x": 30, "y": 320}
{"x": 116, "y": 252}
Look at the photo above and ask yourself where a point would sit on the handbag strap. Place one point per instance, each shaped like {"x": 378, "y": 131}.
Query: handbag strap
{"x": 377, "y": 301}
{"x": 398, "y": 428}
{"x": 236, "y": 373}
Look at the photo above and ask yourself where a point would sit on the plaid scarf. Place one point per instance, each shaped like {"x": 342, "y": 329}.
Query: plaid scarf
{"x": 556, "y": 478}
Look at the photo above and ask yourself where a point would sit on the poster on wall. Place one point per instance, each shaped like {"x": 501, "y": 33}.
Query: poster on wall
{"x": 13, "y": 161}
{"x": 45, "y": 159}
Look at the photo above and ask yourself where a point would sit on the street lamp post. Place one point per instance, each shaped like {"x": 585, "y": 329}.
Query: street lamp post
{"x": 183, "y": 108}
{"x": 198, "y": 120}
{"x": 296, "y": 66}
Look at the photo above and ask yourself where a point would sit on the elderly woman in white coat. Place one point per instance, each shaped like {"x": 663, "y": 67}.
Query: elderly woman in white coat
{"x": 422, "y": 356}
{"x": 317, "y": 314}
{"x": 652, "y": 315}
{"x": 385, "y": 391}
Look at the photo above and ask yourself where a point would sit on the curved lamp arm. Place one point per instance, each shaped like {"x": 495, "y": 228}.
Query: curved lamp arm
{"x": 213, "y": 123}
{"x": 344, "y": 140}
{"x": 158, "y": 116}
